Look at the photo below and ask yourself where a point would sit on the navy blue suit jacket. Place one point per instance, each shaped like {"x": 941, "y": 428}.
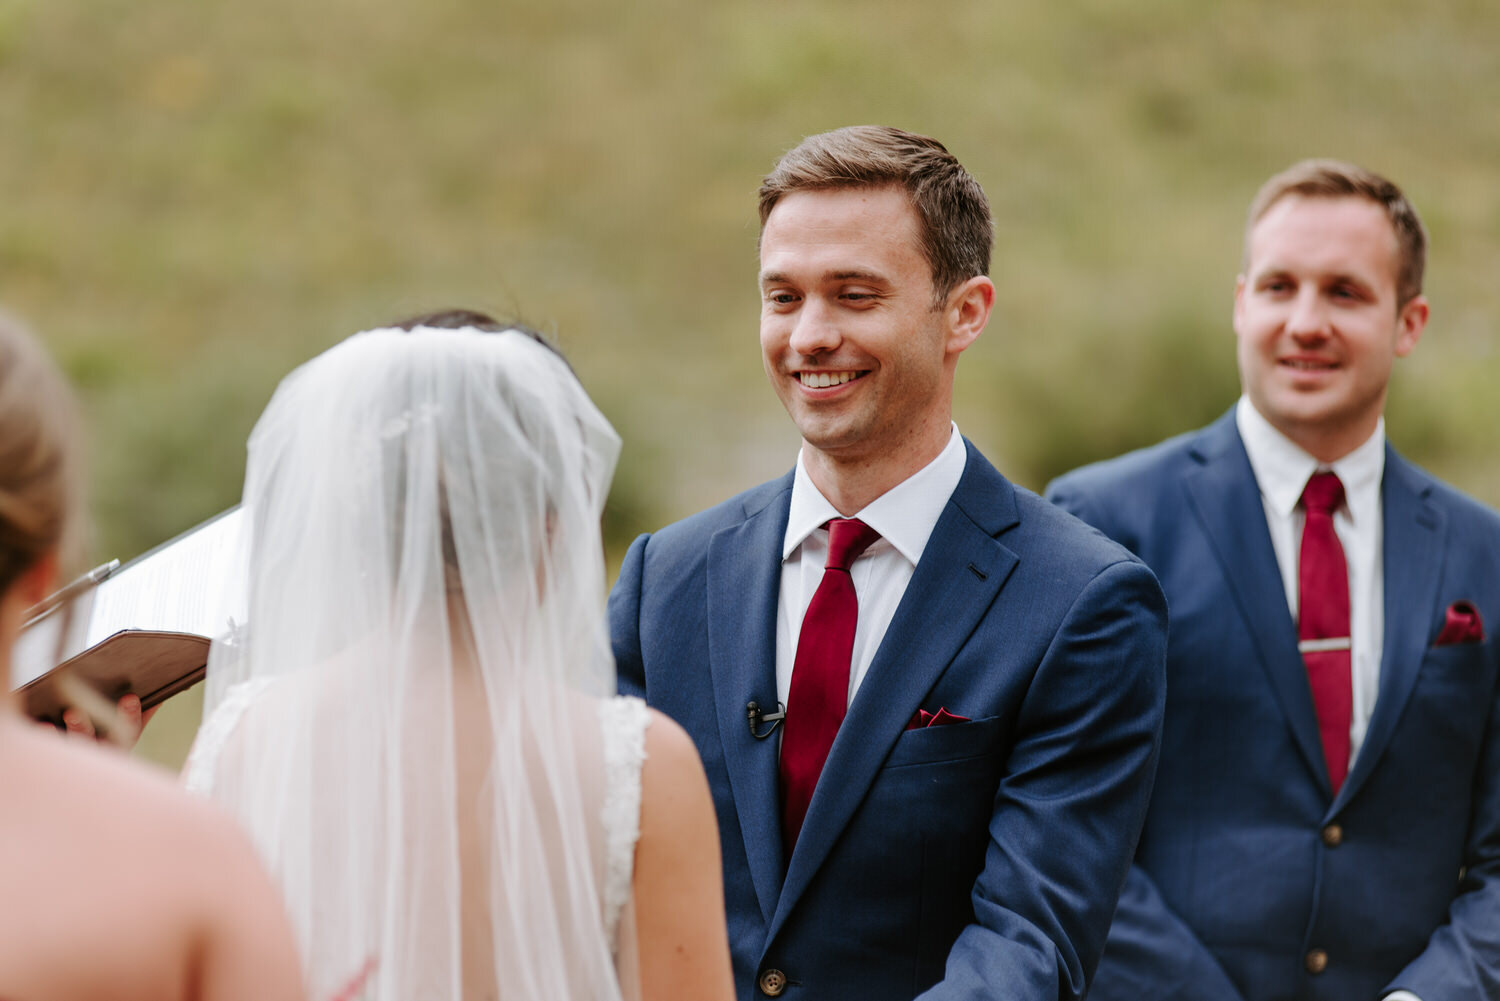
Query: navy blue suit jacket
{"x": 974, "y": 860}
{"x": 1250, "y": 874}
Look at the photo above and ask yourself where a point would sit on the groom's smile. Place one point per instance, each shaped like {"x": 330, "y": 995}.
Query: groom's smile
{"x": 825, "y": 380}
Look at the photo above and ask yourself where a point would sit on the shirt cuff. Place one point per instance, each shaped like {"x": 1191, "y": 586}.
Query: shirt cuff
{"x": 1401, "y": 996}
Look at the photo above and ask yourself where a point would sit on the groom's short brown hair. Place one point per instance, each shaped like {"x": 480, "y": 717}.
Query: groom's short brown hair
{"x": 954, "y": 216}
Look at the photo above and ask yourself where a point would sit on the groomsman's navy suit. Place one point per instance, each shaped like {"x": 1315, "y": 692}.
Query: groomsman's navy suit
{"x": 983, "y": 857}
{"x": 1252, "y": 881}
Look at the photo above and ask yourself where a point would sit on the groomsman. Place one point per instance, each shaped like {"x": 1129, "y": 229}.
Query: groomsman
{"x": 1326, "y": 820}
{"x": 928, "y": 702}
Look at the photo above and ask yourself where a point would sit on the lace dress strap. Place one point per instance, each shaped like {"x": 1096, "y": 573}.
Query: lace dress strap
{"x": 203, "y": 759}
{"x": 623, "y": 721}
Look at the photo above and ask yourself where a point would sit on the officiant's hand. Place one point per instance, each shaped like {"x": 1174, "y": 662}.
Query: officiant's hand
{"x": 129, "y": 721}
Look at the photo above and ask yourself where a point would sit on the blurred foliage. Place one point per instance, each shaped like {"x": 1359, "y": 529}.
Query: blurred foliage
{"x": 200, "y": 195}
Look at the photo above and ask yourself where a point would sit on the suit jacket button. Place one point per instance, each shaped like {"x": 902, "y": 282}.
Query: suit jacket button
{"x": 1333, "y": 835}
{"x": 1316, "y": 961}
{"x": 772, "y": 983}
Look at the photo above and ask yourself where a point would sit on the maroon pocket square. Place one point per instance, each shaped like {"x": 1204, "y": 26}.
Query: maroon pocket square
{"x": 942, "y": 717}
{"x": 1461, "y": 625}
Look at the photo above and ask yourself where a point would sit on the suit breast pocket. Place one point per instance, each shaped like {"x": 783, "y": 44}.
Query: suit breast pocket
{"x": 1467, "y": 669}
{"x": 1453, "y": 697}
{"x": 978, "y": 738}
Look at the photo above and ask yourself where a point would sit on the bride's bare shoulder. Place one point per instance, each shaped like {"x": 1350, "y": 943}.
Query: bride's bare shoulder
{"x": 679, "y": 895}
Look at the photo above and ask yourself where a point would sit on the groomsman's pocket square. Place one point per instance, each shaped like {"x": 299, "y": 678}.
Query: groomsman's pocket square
{"x": 942, "y": 717}
{"x": 1461, "y": 625}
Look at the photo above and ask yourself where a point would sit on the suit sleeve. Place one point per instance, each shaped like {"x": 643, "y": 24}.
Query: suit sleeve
{"x": 625, "y": 621}
{"x": 1150, "y": 951}
{"x": 1462, "y": 958}
{"x": 1072, "y": 801}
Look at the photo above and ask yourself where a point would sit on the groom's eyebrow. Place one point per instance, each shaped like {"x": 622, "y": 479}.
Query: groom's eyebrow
{"x": 850, "y": 274}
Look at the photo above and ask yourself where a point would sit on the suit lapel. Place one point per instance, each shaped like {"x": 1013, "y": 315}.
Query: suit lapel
{"x": 960, "y": 573}
{"x": 1413, "y": 542}
{"x": 744, "y": 579}
{"x": 1225, "y": 498}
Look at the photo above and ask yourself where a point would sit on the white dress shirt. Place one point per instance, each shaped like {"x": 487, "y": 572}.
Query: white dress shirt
{"x": 1282, "y": 470}
{"x": 904, "y": 516}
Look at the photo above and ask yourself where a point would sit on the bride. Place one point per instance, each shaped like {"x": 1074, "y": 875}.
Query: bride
{"x": 417, "y": 720}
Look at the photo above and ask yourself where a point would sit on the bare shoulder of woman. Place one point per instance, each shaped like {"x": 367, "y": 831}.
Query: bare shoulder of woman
{"x": 679, "y": 891}
{"x": 134, "y": 888}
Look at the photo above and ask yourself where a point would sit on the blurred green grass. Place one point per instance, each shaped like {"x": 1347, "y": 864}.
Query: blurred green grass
{"x": 200, "y": 195}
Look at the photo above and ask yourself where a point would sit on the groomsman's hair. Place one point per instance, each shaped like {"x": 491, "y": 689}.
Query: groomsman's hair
{"x": 1340, "y": 179}
{"x": 955, "y": 228}
{"x": 40, "y": 461}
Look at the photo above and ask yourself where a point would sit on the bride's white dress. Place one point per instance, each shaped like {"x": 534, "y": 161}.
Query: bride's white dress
{"x": 622, "y": 732}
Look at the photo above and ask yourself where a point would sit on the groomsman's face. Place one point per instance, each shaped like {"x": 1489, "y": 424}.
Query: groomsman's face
{"x": 1317, "y": 320}
{"x": 852, "y": 339}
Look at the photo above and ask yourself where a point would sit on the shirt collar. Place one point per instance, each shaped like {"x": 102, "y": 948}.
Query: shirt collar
{"x": 1282, "y": 468}
{"x": 904, "y": 515}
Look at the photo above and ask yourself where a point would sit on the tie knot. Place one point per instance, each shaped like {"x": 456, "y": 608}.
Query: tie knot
{"x": 1324, "y": 493}
{"x": 847, "y": 538}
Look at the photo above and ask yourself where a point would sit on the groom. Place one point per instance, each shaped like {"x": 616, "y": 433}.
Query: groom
{"x": 972, "y": 680}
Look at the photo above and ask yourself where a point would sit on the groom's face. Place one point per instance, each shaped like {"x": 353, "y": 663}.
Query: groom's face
{"x": 849, "y": 333}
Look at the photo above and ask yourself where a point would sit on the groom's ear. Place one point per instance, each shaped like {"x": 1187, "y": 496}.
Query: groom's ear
{"x": 967, "y": 312}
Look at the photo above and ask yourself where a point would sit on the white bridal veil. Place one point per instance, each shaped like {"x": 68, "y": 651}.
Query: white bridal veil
{"x": 423, "y": 651}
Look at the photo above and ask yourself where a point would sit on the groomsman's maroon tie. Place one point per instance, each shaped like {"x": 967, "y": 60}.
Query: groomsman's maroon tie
{"x": 819, "y": 694}
{"x": 1323, "y": 621}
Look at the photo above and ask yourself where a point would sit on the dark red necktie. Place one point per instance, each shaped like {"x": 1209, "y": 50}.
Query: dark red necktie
{"x": 1323, "y": 621}
{"x": 819, "y": 694}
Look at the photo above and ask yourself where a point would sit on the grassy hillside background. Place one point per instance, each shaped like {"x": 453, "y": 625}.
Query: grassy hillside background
{"x": 199, "y": 195}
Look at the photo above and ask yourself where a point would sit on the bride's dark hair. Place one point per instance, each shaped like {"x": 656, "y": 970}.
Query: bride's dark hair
{"x": 454, "y": 319}
{"x": 457, "y": 318}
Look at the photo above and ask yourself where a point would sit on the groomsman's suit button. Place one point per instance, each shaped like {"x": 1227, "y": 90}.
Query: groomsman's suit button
{"x": 1333, "y": 835}
{"x": 772, "y": 983}
{"x": 1316, "y": 961}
